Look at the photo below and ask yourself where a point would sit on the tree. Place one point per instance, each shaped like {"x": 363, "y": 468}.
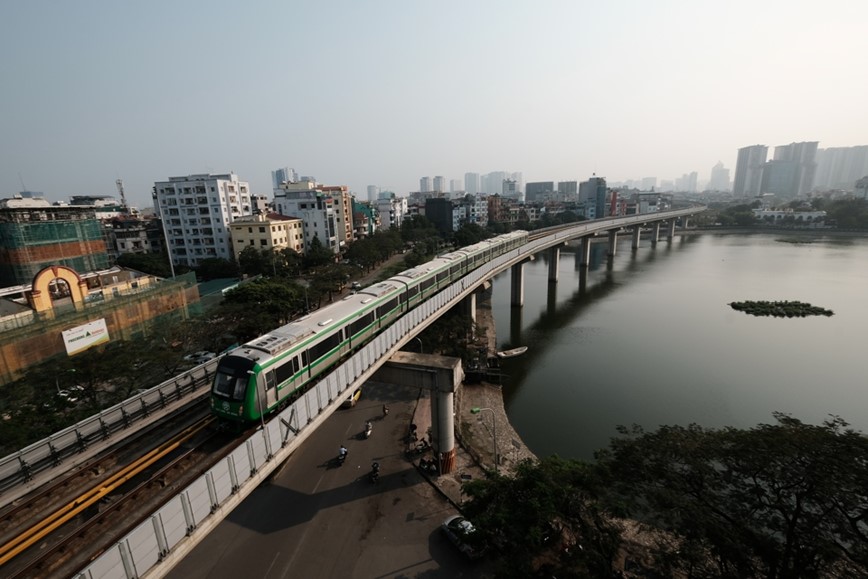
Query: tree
{"x": 150, "y": 263}
{"x": 545, "y": 520}
{"x": 452, "y": 335}
{"x": 269, "y": 302}
{"x": 253, "y": 261}
{"x": 470, "y": 233}
{"x": 216, "y": 268}
{"x": 784, "y": 500}
{"x": 317, "y": 254}
{"x": 416, "y": 228}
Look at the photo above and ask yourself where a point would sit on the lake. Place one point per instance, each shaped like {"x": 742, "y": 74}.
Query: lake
{"x": 648, "y": 338}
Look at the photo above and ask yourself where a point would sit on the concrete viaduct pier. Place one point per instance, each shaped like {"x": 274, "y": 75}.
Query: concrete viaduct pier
{"x": 439, "y": 375}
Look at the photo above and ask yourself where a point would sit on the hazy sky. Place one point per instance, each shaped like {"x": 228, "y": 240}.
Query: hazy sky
{"x": 368, "y": 92}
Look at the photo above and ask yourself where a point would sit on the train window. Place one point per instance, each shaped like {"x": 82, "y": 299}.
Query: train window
{"x": 286, "y": 370}
{"x": 304, "y": 359}
{"x": 412, "y": 291}
{"x": 230, "y": 380}
{"x": 426, "y": 284}
{"x": 454, "y": 269}
{"x": 270, "y": 382}
{"x": 387, "y": 307}
{"x": 317, "y": 351}
{"x": 361, "y": 323}
{"x": 442, "y": 275}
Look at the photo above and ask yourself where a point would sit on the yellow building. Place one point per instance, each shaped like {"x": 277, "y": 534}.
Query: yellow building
{"x": 269, "y": 231}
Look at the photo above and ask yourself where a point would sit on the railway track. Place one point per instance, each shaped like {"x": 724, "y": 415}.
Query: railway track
{"x": 57, "y": 530}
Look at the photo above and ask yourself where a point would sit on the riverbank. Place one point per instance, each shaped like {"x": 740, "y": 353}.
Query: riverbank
{"x": 479, "y": 436}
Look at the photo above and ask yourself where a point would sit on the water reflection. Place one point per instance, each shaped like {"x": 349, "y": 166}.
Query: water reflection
{"x": 647, "y": 337}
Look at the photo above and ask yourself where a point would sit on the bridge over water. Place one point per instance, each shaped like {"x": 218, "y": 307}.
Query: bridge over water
{"x": 173, "y": 530}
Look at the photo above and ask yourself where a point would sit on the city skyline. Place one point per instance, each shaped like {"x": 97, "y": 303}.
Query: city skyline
{"x": 351, "y": 95}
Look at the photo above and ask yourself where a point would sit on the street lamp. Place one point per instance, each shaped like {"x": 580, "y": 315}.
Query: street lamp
{"x": 477, "y": 410}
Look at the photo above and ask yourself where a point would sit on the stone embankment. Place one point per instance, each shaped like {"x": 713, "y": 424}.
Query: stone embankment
{"x": 475, "y": 453}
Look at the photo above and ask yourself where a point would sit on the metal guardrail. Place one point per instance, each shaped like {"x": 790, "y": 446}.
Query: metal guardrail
{"x": 69, "y": 447}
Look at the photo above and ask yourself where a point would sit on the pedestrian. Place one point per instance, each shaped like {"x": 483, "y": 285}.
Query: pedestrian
{"x": 385, "y": 410}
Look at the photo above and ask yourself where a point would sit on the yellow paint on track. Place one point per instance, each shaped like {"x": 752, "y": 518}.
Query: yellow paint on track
{"x": 51, "y": 523}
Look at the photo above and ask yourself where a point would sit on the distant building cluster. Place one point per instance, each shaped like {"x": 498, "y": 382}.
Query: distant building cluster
{"x": 57, "y": 259}
{"x": 798, "y": 169}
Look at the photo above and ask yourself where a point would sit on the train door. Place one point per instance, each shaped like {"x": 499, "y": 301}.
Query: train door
{"x": 270, "y": 389}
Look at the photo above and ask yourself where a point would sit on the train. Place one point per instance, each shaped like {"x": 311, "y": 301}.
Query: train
{"x": 264, "y": 374}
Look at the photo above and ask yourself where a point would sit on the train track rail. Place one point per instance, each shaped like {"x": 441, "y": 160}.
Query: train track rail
{"x": 56, "y": 532}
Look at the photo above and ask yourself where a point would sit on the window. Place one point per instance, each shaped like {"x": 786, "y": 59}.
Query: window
{"x": 321, "y": 349}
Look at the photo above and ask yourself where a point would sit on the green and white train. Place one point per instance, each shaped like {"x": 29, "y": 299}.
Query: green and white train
{"x": 285, "y": 362}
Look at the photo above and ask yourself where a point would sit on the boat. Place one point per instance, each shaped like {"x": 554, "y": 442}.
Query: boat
{"x": 512, "y": 353}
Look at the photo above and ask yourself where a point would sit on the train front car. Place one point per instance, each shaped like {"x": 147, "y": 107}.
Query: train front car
{"x": 231, "y": 392}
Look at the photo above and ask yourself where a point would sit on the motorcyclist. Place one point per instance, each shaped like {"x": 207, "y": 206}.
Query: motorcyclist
{"x": 342, "y": 453}
{"x": 368, "y": 427}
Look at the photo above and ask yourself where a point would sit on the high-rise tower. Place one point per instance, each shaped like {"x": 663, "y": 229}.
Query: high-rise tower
{"x": 749, "y": 170}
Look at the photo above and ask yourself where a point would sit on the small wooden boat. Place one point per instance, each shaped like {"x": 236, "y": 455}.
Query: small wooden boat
{"x": 512, "y": 353}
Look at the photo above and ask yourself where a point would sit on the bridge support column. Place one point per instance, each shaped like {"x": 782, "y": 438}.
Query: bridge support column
{"x": 554, "y": 256}
{"x": 468, "y": 307}
{"x": 585, "y": 251}
{"x": 655, "y": 232}
{"x": 517, "y": 282}
{"x": 637, "y": 236}
{"x": 670, "y": 229}
{"x": 613, "y": 242}
{"x": 443, "y": 415}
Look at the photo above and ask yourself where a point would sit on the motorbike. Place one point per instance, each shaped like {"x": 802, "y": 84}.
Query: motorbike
{"x": 368, "y": 428}
{"x": 375, "y": 472}
{"x": 342, "y": 456}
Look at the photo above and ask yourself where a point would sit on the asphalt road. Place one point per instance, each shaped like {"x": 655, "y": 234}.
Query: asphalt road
{"x": 317, "y": 519}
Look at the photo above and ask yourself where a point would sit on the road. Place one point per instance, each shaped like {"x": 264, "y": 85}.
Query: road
{"x": 317, "y": 519}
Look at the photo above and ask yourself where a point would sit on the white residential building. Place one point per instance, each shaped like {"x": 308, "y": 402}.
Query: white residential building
{"x": 392, "y": 211}
{"x": 196, "y": 212}
{"x": 318, "y": 209}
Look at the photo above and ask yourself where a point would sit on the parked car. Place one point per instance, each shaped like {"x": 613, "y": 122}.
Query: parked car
{"x": 463, "y": 535}
{"x": 71, "y": 395}
{"x": 355, "y": 286}
{"x": 200, "y": 357}
{"x": 352, "y": 398}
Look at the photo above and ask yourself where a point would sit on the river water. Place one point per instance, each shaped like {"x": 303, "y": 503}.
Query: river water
{"x": 648, "y": 338}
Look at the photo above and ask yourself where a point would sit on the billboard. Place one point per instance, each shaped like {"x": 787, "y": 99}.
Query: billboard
{"x": 80, "y": 338}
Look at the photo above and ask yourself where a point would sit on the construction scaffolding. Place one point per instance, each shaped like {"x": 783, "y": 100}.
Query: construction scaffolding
{"x": 26, "y": 247}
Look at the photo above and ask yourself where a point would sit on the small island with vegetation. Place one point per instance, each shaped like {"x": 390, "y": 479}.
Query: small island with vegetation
{"x": 785, "y": 309}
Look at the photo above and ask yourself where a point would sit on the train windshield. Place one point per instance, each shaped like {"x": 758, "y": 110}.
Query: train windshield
{"x": 230, "y": 381}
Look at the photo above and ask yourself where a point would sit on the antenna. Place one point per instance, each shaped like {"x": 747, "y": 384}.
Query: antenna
{"x": 120, "y": 185}
{"x": 20, "y": 178}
